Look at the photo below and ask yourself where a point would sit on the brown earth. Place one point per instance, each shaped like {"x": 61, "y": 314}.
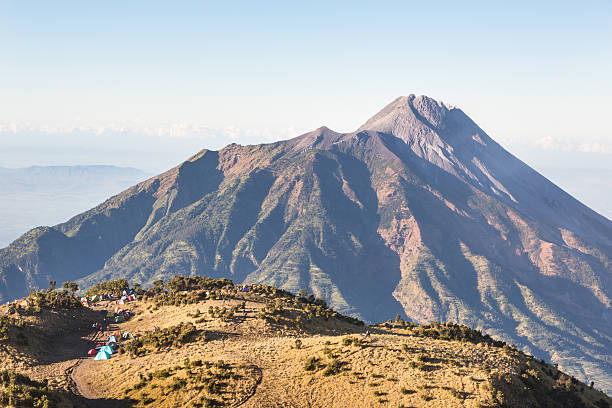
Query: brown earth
{"x": 391, "y": 368}
{"x": 276, "y": 350}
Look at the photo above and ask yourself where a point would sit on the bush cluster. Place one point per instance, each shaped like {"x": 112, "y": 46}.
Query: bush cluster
{"x": 18, "y": 390}
{"x": 184, "y": 290}
{"x": 165, "y": 338}
{"x": 49, "y": 299}
{"x": 311, "y": 364}
{"x": 227, "y": 315}
{"x": 114, "y": 286}
{"x": 202, "y": 376}
{"x": 190, "y": 283}
{"x": 357, "y": 342}
{"x": 453, "y": 331}
{"x": 311, "y": 305}
{"x": 333, "y": 367}
{"x": 534, "y": 382}
{"x": 12, "y": 330}
{"x": 176, "y": 298}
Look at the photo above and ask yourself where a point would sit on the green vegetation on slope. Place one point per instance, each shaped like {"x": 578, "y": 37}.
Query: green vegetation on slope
{"x": 363, "y": 221}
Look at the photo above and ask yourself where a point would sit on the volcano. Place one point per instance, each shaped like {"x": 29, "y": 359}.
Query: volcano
{"x": 418, "y": 212}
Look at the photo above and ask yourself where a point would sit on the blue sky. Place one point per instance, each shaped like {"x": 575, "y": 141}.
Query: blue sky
{"x": 122, "y": 82}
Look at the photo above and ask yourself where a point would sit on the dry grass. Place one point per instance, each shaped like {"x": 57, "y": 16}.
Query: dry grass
{"x": 263, "y": 365}
{"x": 382, "y": 363}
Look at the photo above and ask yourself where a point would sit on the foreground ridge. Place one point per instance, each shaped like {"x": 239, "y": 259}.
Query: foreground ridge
{"x": 197, "y": 341}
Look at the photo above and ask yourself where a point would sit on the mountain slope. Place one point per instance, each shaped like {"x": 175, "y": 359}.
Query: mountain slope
{"x": 419, "y": 212}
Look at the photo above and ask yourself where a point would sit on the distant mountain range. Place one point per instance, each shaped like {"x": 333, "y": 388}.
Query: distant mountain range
{"x": 418, "y": 212}
{"x": 43, "y": 195}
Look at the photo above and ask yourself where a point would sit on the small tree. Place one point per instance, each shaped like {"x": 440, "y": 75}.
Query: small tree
{"x": 70, "y": 286}
{"x": 302, "y": 293}
{"x": 52, "y": 285}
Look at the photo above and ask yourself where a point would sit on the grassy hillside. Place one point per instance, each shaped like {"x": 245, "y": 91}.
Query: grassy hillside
{"x": 202, "y": 342}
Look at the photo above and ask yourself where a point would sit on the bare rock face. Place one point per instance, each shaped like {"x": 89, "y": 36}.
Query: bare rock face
{"x": 419, "y": 212}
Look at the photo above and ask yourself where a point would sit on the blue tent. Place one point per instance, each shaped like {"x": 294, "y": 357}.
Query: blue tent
{"x": 107, "y": 349}
{"x": 102, "y": 355}
{"x": 112, "y": 339}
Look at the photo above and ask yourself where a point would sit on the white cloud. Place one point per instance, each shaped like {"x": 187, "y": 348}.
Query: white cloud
{"x": 595, "y": 147}
{"x": 549, "y": 143}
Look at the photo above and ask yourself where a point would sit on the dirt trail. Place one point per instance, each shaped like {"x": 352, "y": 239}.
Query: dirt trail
{"x": 75, "y": 381}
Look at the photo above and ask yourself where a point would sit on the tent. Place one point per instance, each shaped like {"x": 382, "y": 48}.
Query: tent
{"x": 96, "y": 298}
{"x": 119, "y": 319}
{"x": 118, "y": 309}
{"x": 107, "y": 349}
{"x": 117, "y": 333}
{"x": 131, "y": 298}
{"x": 120, "y": 302}
{"x": 102, "y": 355}
{"x": 91, "y": 352}
{"x": 127, "y": 335}
{"x": 112, "y": 339}
{"x": 112, "y": 344}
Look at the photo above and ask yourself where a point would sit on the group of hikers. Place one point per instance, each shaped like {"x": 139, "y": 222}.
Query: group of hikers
{"x": 103, "y": 326}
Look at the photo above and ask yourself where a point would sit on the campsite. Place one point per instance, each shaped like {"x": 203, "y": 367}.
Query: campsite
{"x": 203, "y": 342}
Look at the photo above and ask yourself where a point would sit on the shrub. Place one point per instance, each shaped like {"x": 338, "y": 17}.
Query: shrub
{"x": 332, "y": 368}
{"x": 114, "y": 286}
{"x": 452, "y": 331}
{"x": 165, "y": 373}
{"x": 165, "y": 338}
{"x": 12, "y": 330}
{"x": 178, "y": 383}
{"x": 311, "y": 364}
{"x": 70, "y": 286}
{"x": 51, "y": 299}
{"x": 347, "y": 341}
{"x": 18, "y": 390}
{"x": 426, "y": 397}
{"x": 190, "y": 283}
{"x": 417, "y": 364}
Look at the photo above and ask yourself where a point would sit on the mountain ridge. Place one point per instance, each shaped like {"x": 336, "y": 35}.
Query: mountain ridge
{"x": 45, "y": 195}
{"x": 423, "y": 215}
